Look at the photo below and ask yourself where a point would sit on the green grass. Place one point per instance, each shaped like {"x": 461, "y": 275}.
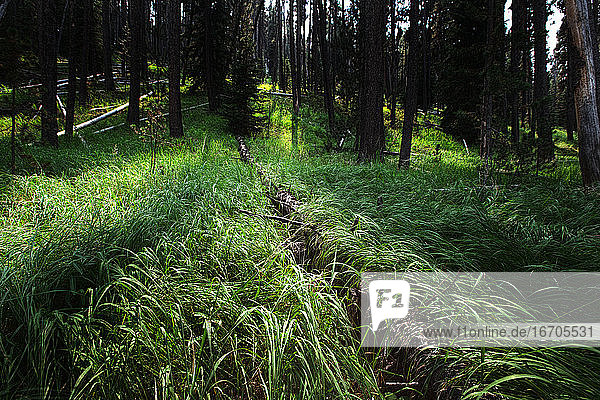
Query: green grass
{"x": 438, "y": 216}
{"x": 122, "y": 282}
{"x": 119, "y": 283}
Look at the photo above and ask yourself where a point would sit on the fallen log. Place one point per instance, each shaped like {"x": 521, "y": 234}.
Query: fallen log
{"x": 62, "y": 82}
{"x": 280, "y": 94}
{"x": 103, "y": 116}
{"x": 273, "y": 217}
{"x": 110, "y": 128}
{"x": 61, "y": 106}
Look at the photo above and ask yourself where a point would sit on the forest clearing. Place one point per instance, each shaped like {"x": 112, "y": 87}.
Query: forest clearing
{"x": 190, "y": 191}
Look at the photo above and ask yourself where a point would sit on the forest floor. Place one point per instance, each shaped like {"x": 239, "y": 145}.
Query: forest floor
{"x": 131, "y": 275}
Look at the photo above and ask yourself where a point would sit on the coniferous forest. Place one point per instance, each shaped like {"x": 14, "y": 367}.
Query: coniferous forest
{"x": 191, "y": 189}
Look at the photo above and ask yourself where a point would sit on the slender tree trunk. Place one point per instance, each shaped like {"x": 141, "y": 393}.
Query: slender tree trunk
{"x": 319, "y": 14}
{"x": 299, "y": 24}
{"x": 109, "y": 82}
{"x": 541, "y": 88}
{"x": 293, "y": 61}
{"x": 371, "y": 128}
{"x": 209, "y": 59}
{"x": 488, "y": 100}
{"x": 175, "y": 118}
{"x": 394, "y": 64}
{"x": 280, "y": 47}
{"x": 294, "y": 74}
{"x": 595, "y": 44}
{"x": 426, "y": 55}
{"x": 516, "y": 55}
{"x": 13, "y": 130}
{"x": 570, "y": 89}
{"x": 72, "y": 85}
{"x": 123, "y": 33}
{"x": 585, "y": 93}
{"x": 47, "y": 57}
{"x": 136, "y": 12}
{"x": 86, "y": 8}
{"x": 410, "y": 102}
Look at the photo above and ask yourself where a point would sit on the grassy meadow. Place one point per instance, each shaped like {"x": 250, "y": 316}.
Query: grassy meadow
{"x": 136, "y": 266}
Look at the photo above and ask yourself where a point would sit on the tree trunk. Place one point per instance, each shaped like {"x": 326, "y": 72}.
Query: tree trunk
{"x": 371, "y": 129}
{"x": 595, "y": 44}
{"x": 109, "y": 82}
{"x": 570, "y": 86}
{"x": 410, "y": 102}
{"x": 585, "y": 93}
{"x": 47, "y": 57}
{"x": 488, "y": 100}
{"x": 541, "y": 107}
{"x": 394, "y": 64}
{"x": 72, "y": 85}
{"x": 516, "y": 55}
{"x": 319, "y": 14}
{"x": 175, "y": 118}
{"x": 293, "y": 61}
{"x": 136, "y": 12}
{"x": 280, "y": 48}
{"x": 86, "y": 12}
{"x": 211, "y": 86}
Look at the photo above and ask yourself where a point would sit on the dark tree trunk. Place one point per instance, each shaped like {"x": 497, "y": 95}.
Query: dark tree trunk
{"x": 47, "y": 57}
{"x": 516, "y": 55}
{"x": 410, "y": 102}
{"x": 136, "y": 13}
{"x": 72, "y": 85}
{"x": 109, "y": 82}
{"x": 570, "y": 86}
{"x": 280, "y": 48}
{"x": 86, "y": 9}
{"x": 123, "y": 33}
{"x": 488, "y": 100}
{"x": 585, "y": 93}
{"x": 372, "y": 36}
{"x": 293, "y": 62}
{"x": 209, "y": 51}
{"x": 175, "y": 118}
{"x": 13, "y": 130}
{"x": 299, "y": 34}
{"x": 540, "y": 102}
{"x": 294, "y": 73}
{"x": 426, "y": 56}
{"x": 595, "y": 44}
{"x": 319, "y": 14}
{"x": 394, "y": 64}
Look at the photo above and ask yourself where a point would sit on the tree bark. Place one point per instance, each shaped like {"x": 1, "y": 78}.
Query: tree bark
{"x": 570, "y": 86}
{"x": 485, "y": 145}
{"x": 319, "y": 14}
{"x": 585, "y": 92}
{"x": 541, "y": 107}
{"x": 410, "y": 102}
{"x": 516, "y": 56}
{"x": 109, "y": 82}
{"x": 371, "y": 129}
{"x": 72, "y": 85}
{"x": 48, "y": 70}
{"x": 86, "y": 9}
{"x": 394, "y": 64}
{"x": 280, "y": 49}
{"x": 175, "y": 118}
{"x": 136, "y": 12}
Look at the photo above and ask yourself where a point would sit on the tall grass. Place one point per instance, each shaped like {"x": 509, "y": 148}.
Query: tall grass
{"x": 438, "y": 216}
{"x": 119, "y": 283}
